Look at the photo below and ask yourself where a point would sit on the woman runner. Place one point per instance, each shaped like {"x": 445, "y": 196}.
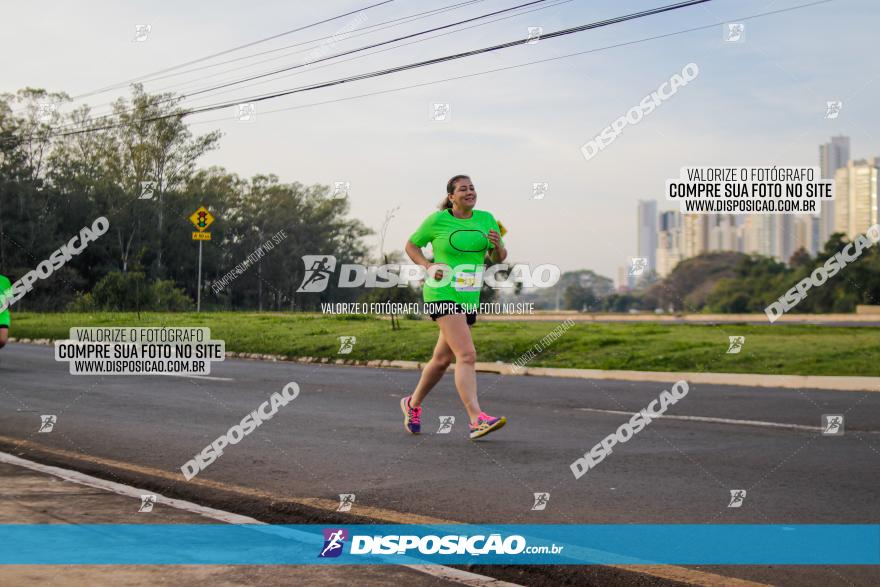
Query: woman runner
{"x": 460, "y": 238}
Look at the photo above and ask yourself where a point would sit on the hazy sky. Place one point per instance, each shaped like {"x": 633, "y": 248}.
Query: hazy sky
{"x": 759, "y": 102}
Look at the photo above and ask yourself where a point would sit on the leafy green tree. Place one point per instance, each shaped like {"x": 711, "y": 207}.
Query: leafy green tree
{"x": 800, "y": 258}
{"x": 53, "y": 183}
{"x": 151, "y": 143}
{"x": 620, "y": 302}
{"x": 755, "y": 283}
{"x": 578, "y": 297}
{"x": 688, "y": 286}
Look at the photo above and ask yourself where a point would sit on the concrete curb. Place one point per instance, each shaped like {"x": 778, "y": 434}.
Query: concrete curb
{"x": 825, "y": 382}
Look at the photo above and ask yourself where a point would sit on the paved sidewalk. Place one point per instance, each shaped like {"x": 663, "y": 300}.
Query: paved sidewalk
{"x": 31, "y": 497}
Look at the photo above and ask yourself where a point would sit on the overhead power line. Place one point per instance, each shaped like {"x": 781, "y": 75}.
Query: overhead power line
{"x": 407, "y": 67}
{"x": 371, "y": 46}
{"x": 184, "y": 96}
{"x": 545, "y": 7}
{"x": 363, "y": 31}
{"x": 419, "y": 64}
{"x": 227, "y": 51}
{"x": 528, "y": 63}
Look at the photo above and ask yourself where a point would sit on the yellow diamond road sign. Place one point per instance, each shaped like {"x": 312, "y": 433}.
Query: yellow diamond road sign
{"x": 201, "y": 219}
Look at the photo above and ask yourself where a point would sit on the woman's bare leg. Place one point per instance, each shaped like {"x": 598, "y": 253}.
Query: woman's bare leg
{"x": 457, "y": 335}
{"x": 433, "y": 371}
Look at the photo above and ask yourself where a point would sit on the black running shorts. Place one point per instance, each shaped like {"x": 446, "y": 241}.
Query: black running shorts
{"x": 439, "y": 309}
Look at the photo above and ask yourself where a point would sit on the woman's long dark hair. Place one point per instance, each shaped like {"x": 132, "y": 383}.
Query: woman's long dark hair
{"x": 450, "y": 189}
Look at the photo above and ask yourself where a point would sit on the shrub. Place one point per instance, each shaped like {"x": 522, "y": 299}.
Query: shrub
{"x": 119, "y": 292}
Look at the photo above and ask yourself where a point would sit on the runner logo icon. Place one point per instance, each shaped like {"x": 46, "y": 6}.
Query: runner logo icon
{"x": 446, "y": 424}
{"x": 346, "y": 344}
{"x": 318, "y": 271}
{"x": 341, "y": 189}
{"x": 147, "y": 503}
{"x": 334, "y": 540}
{"x": 541, "y": 500}
{"x": 535, "y": 33}
{"x": 147, "y": 189}
{"x": 539, "y": 189}
{"x": 736, "y": 344}
{"x": 832, "y": 424}
{"x": 735, "y": 32}
{"x": 346, "y": 500}
{"x": 637, "y": 265}
{"x": 47, "y": 423}
{"x": 833, "y": 108}
{"x": 737, "y": 496}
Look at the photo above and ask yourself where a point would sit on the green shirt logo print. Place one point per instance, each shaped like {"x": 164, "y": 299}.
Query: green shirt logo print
{"x": 468, "y": 241}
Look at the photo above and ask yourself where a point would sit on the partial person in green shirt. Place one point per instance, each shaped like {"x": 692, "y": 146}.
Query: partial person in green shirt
{"x": 460, "y": 237}
{"x": 5, "y": 289}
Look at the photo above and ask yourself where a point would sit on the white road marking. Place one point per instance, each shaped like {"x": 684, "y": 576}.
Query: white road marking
{"x": 207, "y": 377}
{"x": 724, "y": 421}
{"x": 439, "y": 571}
{"x": 126, "y": 490}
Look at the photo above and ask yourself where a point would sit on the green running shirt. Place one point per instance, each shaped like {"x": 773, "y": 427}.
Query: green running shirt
{"x": 457, "y": 242}
{"x": 5, "y": 288}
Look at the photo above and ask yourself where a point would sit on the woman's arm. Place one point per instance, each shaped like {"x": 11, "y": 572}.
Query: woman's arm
{"x": 415, "y": 254}
{"x": 499, "y": 252}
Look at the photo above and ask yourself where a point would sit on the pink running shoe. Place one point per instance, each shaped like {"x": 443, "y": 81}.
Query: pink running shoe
{"x": 486, "y": 424}
{"x": 412, "y": 417}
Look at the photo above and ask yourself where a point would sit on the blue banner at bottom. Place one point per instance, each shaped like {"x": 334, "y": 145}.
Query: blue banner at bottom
{"x": 454, "y": 544}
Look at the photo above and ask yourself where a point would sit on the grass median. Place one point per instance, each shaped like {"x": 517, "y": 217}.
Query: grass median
{"x": 769, "y": 349}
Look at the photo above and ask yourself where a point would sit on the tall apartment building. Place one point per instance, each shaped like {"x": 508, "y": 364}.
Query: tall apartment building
{"x": 770, "y": 235}
{"x": 668, "y": 252}
{"x": 855, "y": 189}
{"x": 694, "y": 234}
{"x": 669, "y": 221}
{"x": 832, "y": 156}
{"x": 784, "y": 239}
{"x": 647, "y": 232}
{"x": 724, "y": 233}
{"x": 758, "y": 235}
{"x": 624, "y": 280}
{"x": 806, "y": 233}
{"x": 668, "y": 242}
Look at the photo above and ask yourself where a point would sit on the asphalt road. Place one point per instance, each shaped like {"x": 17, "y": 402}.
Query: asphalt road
{"x": 344, "y": 434}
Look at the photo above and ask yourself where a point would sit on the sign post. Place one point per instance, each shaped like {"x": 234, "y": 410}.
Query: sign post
{"x": 201, "y": 219}
{"x": 199, "y": 286}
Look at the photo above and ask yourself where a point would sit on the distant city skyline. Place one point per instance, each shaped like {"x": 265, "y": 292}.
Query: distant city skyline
{"x": 682, "y": 236}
